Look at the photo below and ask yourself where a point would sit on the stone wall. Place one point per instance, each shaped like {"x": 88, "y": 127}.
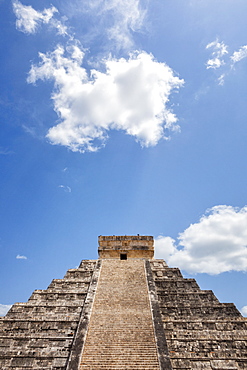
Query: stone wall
{"x": 136, "y": 246}
{"x": 201, "y": 332}
{"x": 39, "y": 334}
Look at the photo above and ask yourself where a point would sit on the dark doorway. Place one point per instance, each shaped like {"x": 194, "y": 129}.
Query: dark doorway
{"x": 123, "y": 256}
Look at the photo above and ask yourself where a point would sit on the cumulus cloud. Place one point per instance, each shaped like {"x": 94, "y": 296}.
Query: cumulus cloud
{"x": 219, "y": 50}
{"x": 19, "y": 257}
{"x": 29, "y": 19}
{"x": 130, "y": 95}
{"x": 217, "y": 243}
{"x": 244, "y": 311}
{"x": 164, "y": 247}
{"x": 240, "y": 54}
{"x": 4, "y": 308}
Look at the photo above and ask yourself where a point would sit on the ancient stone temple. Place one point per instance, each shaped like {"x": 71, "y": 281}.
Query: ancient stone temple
{"x": 125, "y": 310}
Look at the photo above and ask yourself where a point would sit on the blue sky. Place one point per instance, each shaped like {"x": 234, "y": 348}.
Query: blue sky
{"x": 123, "y": 117}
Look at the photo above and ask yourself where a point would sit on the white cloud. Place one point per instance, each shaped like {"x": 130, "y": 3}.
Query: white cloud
{"x": 217, "y": 243}
{"x": 240, "y": 54}
{"x": 61, "y": 27}
{"x": 67, "y": 189}
{"x": 164, "y": 247}
{"x": 4, "y": 308}
{"x": 221, "y": 79}
{"x": 130, "y": 95}
{"x": 244, "y": 311}
{"x": 220, "y": 49}
{"x": 128, "y": 17}
{"x": 28, "y": 19}
{"x": 117, "y": 19}
{"x": 19, "y": 257}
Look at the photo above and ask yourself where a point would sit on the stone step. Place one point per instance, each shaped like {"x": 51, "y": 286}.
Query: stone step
{"x": 120, "y": 333}
{"x": 117, "y": 367}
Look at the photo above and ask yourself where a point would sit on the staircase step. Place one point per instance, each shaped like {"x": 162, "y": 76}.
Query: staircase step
{"x": 121, "y": 333}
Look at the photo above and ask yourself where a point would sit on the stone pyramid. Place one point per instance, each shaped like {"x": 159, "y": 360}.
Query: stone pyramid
{"x": 125, "y": 310}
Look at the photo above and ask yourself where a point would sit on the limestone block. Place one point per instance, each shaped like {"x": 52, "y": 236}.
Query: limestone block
{"x": 224, "y": 365}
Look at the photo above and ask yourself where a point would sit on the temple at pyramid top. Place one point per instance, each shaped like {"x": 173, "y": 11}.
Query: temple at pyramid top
{"x": 125, "y": 247}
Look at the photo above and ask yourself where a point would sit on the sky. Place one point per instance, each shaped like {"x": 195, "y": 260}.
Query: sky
{"x": 123, "y": 117}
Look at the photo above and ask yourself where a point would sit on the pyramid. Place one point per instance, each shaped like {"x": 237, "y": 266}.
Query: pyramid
{"x": 125, "y": 310}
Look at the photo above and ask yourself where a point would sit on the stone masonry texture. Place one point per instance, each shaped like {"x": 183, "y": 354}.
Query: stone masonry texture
{"x": 121, "y": 332}
{"x": 39, "y": 334}
{"x": 135, "y": 313}
{"x": 201, "y": 332}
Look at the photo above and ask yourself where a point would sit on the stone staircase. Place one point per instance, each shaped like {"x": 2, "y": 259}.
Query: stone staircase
{"x": 121, "y": 333}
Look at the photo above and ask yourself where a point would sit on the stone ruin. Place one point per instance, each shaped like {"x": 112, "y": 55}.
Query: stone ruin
{"x": 125, "y": 310}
